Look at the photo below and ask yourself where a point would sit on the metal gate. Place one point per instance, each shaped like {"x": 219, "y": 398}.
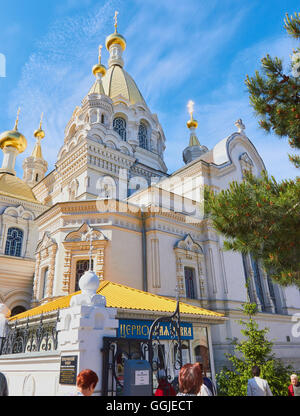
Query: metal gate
{"x": 162, "y": 356}
{"x": 163, "y": 361}
{"x": 115, "y": 352}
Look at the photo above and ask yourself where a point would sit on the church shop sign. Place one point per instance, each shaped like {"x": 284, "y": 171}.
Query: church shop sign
{"x": 68, "y": 370}
{"x": 139, "y": 329}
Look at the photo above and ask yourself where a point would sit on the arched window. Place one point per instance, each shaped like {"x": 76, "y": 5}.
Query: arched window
{"x": 102, "y": 118}
{"x": 189, "y": 275}
{"x": 258, "y": 283}
{"x": 119, "y": 125}
{"x": 14, "y": 241}
{"x": 17, "y": 309}
{"x": 143, "y": 136}
{"x": 37, "y": 177}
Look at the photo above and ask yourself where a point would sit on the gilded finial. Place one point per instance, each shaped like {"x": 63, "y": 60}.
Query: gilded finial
{"x": 116, "y": 39}
{"x": 190, "y": 106}
{"x": 41, "y": 120}
{"x": 17, "y": 120}
{"x": 191, "y": 123}
{"x": 39, "y": 133}
{"x": 100, "y": 53}
{"x": 116, "y": 20}
{"x": 99, "y": 68}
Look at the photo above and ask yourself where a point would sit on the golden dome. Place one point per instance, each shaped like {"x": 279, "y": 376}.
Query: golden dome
{"x": 11, "y": 185}
{"x": 192, "y": 123}
{"x": 118, "y": 82}
{"x": 99, "y": 69}
{"x": 39, "y": 133}
{"x": 115, "y": 38}
{"x": 13, "y": 138}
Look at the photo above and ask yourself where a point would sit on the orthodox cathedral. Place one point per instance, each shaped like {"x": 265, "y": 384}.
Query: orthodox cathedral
{"x": 110, "y": 205}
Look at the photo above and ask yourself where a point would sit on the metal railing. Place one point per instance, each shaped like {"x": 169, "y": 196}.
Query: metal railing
{"x": 33, "y": 334}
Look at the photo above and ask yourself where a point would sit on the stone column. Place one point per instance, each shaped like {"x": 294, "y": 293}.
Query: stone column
{"x": 36, "y": 276}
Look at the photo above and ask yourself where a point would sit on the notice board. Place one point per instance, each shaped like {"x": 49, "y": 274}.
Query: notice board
{"x": 68, "y": 369}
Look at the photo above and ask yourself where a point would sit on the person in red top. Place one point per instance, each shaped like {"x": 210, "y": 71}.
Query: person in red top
{"x": 294, "y": 387}
{"x": 164, "y": 387}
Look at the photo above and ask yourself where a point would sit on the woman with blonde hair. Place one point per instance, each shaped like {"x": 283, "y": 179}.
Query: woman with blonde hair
{"x": 294, "y": 387}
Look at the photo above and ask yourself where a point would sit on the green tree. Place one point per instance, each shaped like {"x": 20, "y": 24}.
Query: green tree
{"x": 254, "y": 349}
{"x": 261, "y": 216}
{"x": 275, "y": 95}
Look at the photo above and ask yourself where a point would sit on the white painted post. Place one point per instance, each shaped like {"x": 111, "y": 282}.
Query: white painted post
{"x": 82, "y": 327}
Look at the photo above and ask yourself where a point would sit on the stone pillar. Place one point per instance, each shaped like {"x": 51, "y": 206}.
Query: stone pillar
{"x": 82, "y": 327}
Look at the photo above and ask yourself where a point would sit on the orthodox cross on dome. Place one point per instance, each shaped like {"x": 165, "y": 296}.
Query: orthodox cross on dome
{"x": 100, "y": 52}
{"x": 41, "y": 120}
{"x": 116, "y": 20}
{"x": 190, "y": 106}
{"x": 240, "y": 125}
{"x": 17, "y": 120}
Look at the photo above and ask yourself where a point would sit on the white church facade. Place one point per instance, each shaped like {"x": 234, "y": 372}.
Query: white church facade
{"x": 148, "y": 230}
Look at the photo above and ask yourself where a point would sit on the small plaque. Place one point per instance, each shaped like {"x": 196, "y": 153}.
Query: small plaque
{"x": 142, "y": 377}
{"x": 68, "y": 370}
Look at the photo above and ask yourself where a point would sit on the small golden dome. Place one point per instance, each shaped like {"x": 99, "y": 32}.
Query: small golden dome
{"x": 115, "y": 38}
{"x": 192, "y": 123}
{"x": 99, "y": 69}
{"x": 39, "y": 133}
{"x": 13, "y": 138}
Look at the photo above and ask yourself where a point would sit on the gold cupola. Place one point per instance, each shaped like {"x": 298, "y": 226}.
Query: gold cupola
{"x": 115, "y": 38}
{"x": 194, "y": 150}
{"x": 115, "y": 82}
{"x": 13, "y": 138}
{"x": 191, "y": 123}
{"x": 39, "y": 134}
{"x": 99, "y": 68}
{"x": 35, "y": 166}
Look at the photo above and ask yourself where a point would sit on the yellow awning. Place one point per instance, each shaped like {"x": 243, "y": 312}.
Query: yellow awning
{"x": 124, "y": 297}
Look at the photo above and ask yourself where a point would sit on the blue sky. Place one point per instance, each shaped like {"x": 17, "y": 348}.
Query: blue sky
{"x": 176, "y": 51}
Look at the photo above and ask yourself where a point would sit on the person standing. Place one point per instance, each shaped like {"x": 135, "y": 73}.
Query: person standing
{"x": 3, "y": 385}
{"x": 86, "y": 382}
{"x": 164, "y": 387}
{"x": 258, "y": 386}
{"x": 190, "y": 380}
{"x": 294, "y": 387}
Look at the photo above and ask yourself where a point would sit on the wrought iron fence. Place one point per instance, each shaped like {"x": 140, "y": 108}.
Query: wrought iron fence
{"x": 31, "y": 335}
